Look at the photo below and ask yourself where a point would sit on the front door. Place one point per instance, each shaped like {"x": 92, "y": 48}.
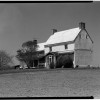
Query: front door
{"x": 50, "y": 61}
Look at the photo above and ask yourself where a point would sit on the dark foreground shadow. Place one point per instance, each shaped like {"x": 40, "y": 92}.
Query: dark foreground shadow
{"x": 76, "y": 97}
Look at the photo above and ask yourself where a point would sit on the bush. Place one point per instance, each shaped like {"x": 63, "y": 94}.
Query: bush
{"x": 64, "y": 60}
{"x": 59, "y": 63}
{"x": 5, "y": 60}
{"x": 6, "y": 68}
{"x": 52, "y": 65}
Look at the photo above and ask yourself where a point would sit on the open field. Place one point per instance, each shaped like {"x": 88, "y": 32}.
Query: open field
{"x": 53, "y": 82}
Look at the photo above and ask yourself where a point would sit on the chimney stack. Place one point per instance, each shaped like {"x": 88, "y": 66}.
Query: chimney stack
{"x": 35, "y": 41}
{"x": 82, "y": 25}
{"x": 54, "y": 30}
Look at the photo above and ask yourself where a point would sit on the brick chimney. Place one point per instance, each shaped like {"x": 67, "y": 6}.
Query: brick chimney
{"x": 54, "y": 30}
{"x": 82, "y": 25}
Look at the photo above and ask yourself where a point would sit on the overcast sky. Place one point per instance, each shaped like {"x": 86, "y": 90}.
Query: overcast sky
{"x": 23, "y": 22}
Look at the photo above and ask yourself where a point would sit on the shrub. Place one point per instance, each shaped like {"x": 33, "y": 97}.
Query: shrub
{"x": 64, "y": 60}
{"x": 52, "y": 65}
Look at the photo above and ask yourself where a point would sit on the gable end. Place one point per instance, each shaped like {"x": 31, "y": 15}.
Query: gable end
{"x": 89, "y": 35}
{"x": 80, "y": 33}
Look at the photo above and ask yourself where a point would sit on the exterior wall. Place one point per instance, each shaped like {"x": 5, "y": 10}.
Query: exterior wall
{"x": 83, "y": 57}
{"x": 60, "y": 48}
{"x": 46, "y": 50}
{"x": 83, "y": 42}
{"x": 83, "y": 49}
{"x": 71, "y": 46}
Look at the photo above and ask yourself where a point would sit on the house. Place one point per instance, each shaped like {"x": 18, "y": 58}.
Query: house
{"x": 68, "y": 49}
{"x": 75, "y": 44}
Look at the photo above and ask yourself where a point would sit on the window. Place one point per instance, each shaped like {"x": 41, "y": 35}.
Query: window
{"x": 50, "y": 48}
{"x": 66, "y": 46}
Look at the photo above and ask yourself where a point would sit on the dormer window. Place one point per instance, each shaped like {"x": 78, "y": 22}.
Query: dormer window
{"x": 50, "y": 48}
{"x": 66, "y": 46}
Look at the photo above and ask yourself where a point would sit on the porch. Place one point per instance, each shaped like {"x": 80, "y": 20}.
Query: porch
{"x": 59, "y": 60}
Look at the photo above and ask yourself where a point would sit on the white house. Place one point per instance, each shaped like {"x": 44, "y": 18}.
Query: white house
{"x": 75, "y": 42}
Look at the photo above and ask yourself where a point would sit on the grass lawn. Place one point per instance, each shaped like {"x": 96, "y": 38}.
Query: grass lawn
{"x": 53, "y": 82}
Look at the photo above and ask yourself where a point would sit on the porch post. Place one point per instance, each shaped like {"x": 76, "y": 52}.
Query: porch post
{"x": 74, "y": 60}
{"x": 47, "y": 59}
{"x": 38, "y": 63}
{"x": 33, "y": 63}
{"x": 45, "y": 62}
{"x": 54, "y": 61}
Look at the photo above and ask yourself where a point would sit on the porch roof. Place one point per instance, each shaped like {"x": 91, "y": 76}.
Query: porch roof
{"x": 67, "y": 51}
{"x": 59, "y": 52}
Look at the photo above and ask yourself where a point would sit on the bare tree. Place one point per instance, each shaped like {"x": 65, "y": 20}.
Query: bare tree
{"x": 5, "y": 58}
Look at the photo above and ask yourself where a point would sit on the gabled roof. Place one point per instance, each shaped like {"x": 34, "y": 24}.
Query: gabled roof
{"x": 63, "y": 36}
{"x": 40, "y": 46}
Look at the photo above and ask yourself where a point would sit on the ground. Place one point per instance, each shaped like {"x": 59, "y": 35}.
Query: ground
{"x": 53, "y": 82}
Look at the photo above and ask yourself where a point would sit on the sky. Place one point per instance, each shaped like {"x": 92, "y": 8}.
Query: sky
{"x": 20, "y": 22}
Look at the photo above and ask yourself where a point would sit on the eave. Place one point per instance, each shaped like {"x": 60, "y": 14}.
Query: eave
{"x": 57, "y": 44}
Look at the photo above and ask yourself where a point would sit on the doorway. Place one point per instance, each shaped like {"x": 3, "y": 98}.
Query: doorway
{"x": 50, "y": 60}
